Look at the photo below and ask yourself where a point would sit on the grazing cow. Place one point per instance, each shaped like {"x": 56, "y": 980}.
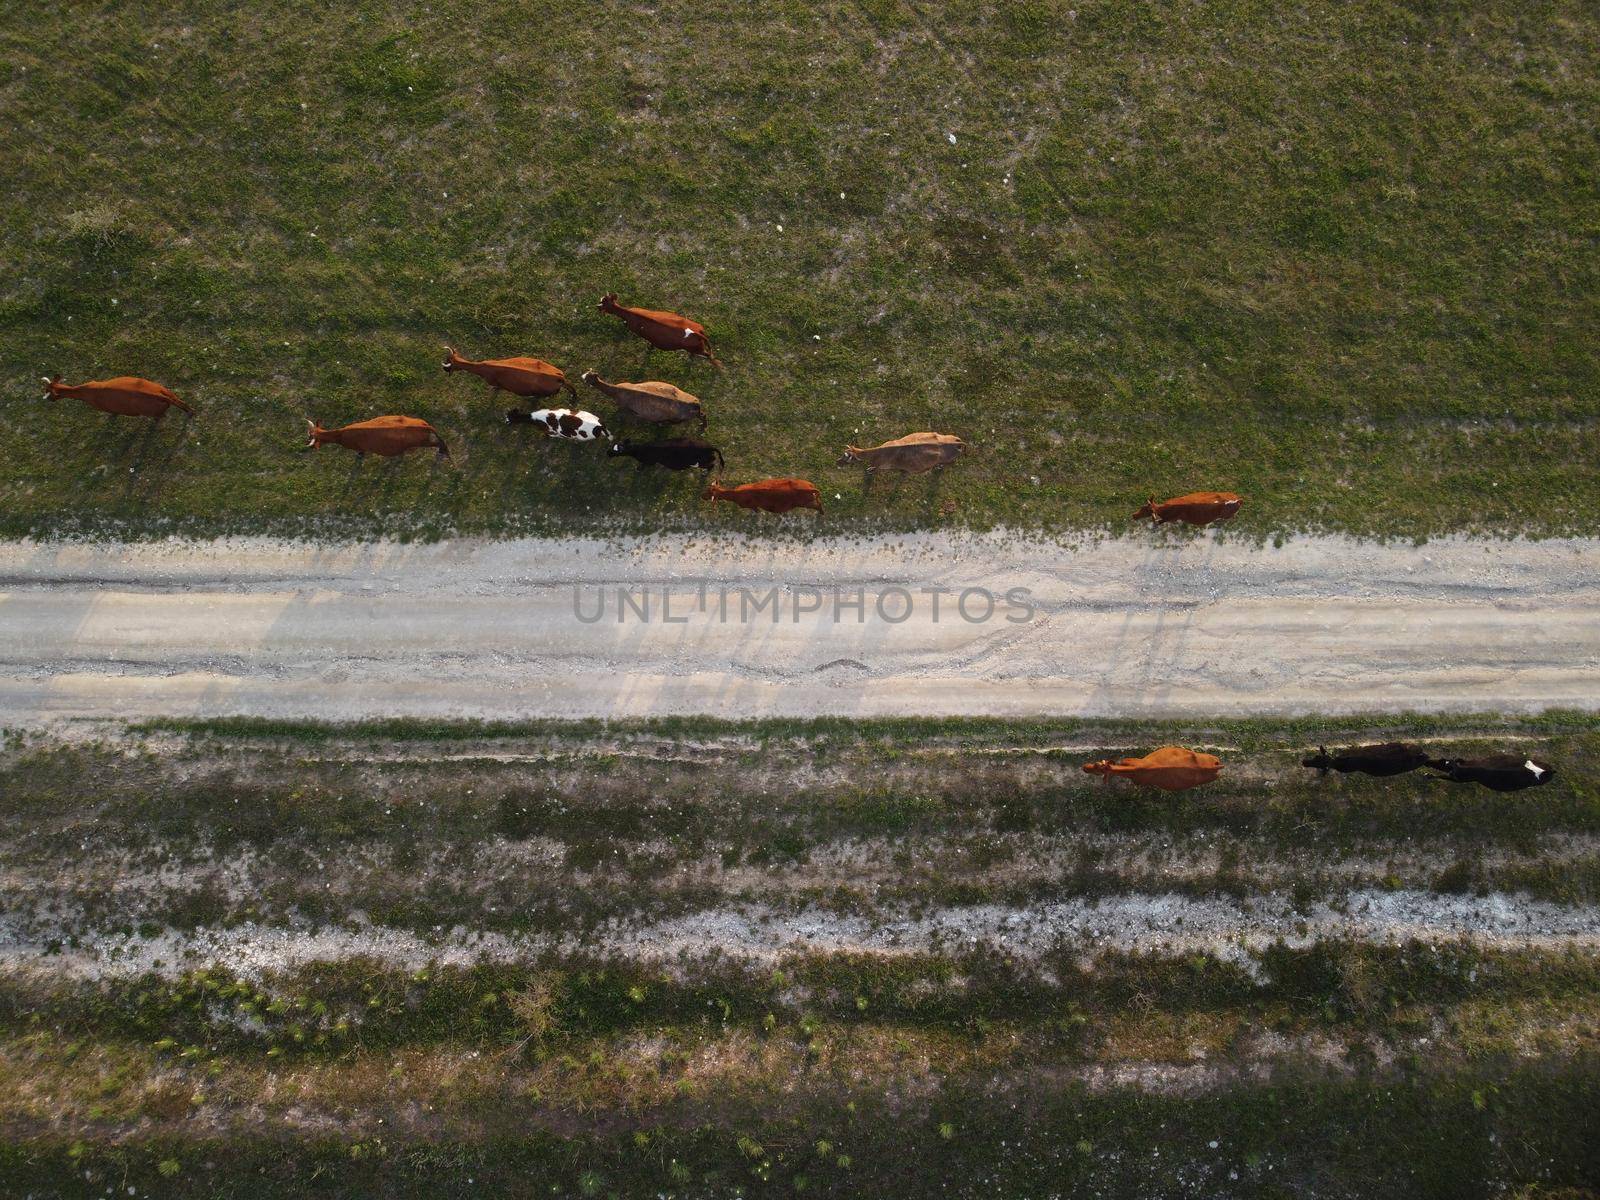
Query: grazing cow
{"x": 562, "y": 423}
{"x": 519, "y": 376}
{"x": 675, "y": 454}
{"x": 768, "y": 495}
{"x": 1390, "y": 758}
{"x": 663, "y": 330}
{"x": 659, "y": 403}
{"x": 383, "y": 436}
{"x": 1171, "y": 768}
{"x": 1498, "y": 772}
{"x": 913, "y": 454}
{"x": 124, "y": 396}
{"x": 1197, "y": 508}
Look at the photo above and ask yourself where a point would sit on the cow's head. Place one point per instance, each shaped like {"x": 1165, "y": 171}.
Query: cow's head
{"x": 1146, "y": 510}
{"x": 452, "y": 360}
{"x": 714, "y": 492}
{"x": 52, "y": 386}
{"x": 618, "y": 448}
{"x": 851, "y": 455}
{"x": 1320, "y": 761}
{"x": 608, "y": 303}
{"x": 316, "y": 434}
{"x": 1101, "y": 768}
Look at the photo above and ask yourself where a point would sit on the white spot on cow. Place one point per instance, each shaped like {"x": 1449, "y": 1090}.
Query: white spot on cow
{"x": 1538, "y": 771}
{"x": 688, "y": 333}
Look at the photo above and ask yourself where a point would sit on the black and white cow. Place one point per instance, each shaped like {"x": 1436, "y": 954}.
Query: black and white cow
{"x": 1389, "y": 758}
{"x": 562, "y": 423}
{"x": 675, "y": 454}
{"x": 1498, "y": 772}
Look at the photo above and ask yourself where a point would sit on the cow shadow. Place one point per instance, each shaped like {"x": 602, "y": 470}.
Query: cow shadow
{"x": 119, "y": 435}
{"x": 673, "y": 366}
{"x": 149, "y": 456}
{"x": 932, "y": 495}
{"x": 927, "y": 492}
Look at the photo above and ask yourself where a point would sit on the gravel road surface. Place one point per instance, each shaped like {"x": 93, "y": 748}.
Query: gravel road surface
{"x": 1162, "y": 624}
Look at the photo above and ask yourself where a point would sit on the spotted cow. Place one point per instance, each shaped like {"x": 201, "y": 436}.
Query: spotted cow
{"x": 1497, "y": 772}
{"x": 562, "y": 423}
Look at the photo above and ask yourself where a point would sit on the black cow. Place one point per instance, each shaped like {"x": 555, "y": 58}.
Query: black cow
{"x": 1498, "y": 772}
{"x": 1390, "y": 758}
{"x": 675, "y": 454}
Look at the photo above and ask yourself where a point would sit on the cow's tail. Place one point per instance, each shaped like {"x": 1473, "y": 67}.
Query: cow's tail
{"x": 705, "y": 349}
{"x": 444, "y": 450}
{"x": 721, "y": 466}
{"x": 176, "y": 403}
{"x": 567, "y": 383}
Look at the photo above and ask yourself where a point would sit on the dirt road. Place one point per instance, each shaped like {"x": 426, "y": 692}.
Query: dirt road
{"x": 1161, "y": 624}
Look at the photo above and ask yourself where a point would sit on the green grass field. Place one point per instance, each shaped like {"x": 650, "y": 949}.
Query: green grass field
{"x": 1339, "y": 257}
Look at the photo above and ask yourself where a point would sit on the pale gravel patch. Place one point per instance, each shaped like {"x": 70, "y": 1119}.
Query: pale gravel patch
{"x": 1227, "y": 929}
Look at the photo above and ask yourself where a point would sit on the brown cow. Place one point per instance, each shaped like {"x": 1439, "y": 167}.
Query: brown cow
{"x": 913, "y": 454}
{"x": 1197, "y": 508}
{"x": 125, "y": 396}
{"x": 663, "y": 330}
{"x": 383, "y": 436}
{"x": 768, "y": 495}
{"x": 1171, "y": 768}
{"x": 519, "y": 376}
{"x": 656, "y": 402}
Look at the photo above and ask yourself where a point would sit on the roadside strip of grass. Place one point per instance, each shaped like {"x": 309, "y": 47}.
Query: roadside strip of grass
{"x": 554, "y": 830}
{"x": 826, "y": 733}
{"x": 770, "y": 791}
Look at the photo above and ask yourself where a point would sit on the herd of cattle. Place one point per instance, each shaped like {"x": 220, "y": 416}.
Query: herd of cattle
{"x": 652, "y": 402}
{"x": 1174, "y": 769}
{"x": 1170, "y": 769}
